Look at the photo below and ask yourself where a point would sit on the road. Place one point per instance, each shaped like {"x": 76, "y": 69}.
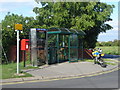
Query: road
{"x": 109, "y": 80}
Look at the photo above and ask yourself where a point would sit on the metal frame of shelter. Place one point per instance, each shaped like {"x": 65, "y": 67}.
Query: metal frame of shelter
{"x": 64, "y": 45}
{"x": 55, "y": 45}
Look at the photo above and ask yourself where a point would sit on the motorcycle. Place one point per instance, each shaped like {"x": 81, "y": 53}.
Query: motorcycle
{"x": 98, "y": 59}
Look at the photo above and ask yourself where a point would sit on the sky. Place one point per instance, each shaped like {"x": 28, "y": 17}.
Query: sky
{"x": 25, "y": 7}
{"x": 110, "y": 35}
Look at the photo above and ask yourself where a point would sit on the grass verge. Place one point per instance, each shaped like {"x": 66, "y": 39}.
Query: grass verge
{"x": 9, "y": 70}
{"x": 110, "y": 50}
{"x": 108, "y": 61}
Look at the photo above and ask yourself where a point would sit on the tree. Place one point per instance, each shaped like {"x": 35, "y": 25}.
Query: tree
{"x": 108, "y": 43}
{"x": 116, "y": 42}
{"x": 8, "y": 29}
{"x": 87, "y": 16}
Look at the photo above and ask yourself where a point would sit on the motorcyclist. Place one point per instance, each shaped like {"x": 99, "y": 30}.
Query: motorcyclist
{"x": 95, "y": 53}
{"x": 98, "y": 54}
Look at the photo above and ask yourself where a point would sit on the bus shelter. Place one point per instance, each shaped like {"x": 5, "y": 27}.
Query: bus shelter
{"x": 55, "y": 45}
{"x": 64, "y": 45}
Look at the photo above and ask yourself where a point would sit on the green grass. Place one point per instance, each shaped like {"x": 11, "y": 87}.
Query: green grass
{"x": 109, "y": 63}
{"x": 110, "y": 50}
{"x": 110, "y": 60}
{"x": 0, "y": 71}
{"x": 9, "y": 70}
{"x": 87, "y": 60}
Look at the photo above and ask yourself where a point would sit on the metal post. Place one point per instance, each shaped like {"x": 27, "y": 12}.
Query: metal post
{"x": 46, "y": 48}
{"x": 77, "y": 48}
{"x": 57, "y": 48}
{"x": 69, "y": 47}
{"x": 18, "y": 52}
{"x": 82, "y": 48}
{"x": 64, "y": 47}
{"x": 24, "y": 57}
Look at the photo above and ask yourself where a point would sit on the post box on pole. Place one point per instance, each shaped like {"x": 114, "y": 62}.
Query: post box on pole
{"x": 24, "y": 48}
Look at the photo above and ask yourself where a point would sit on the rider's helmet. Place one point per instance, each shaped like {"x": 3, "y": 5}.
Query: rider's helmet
{"x": 99, "y": 50}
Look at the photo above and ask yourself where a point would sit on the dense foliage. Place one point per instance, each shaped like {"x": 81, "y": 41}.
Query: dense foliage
{"x": 87, "y": 16}
{"x": 8, "y": 29}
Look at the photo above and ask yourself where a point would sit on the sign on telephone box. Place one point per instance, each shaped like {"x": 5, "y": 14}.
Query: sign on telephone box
{"x": 18, "y": 27}
{"x": 24, "y": 44}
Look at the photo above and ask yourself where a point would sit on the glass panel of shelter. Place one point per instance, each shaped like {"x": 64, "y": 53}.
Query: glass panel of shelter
{"x": 73, "y": 47}
{"x": 63, "y": 47}
{"x": 52, "y": 49}
{"x": 41, "y": 39}
{"x": 57, "y": 48}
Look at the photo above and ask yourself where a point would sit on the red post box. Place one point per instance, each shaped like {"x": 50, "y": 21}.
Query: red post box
{"x": 24, "y": 44}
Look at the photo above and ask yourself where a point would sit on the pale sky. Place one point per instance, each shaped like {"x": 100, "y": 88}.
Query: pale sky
{"x": 111, "y": 34}
{"x": 25, "y": 7}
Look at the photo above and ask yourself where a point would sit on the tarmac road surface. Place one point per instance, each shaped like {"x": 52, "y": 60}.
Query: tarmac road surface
{"x": 109, "y": 80}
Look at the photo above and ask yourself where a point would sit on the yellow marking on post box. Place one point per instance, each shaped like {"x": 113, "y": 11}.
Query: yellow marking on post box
{"x": 18, "y": 27}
